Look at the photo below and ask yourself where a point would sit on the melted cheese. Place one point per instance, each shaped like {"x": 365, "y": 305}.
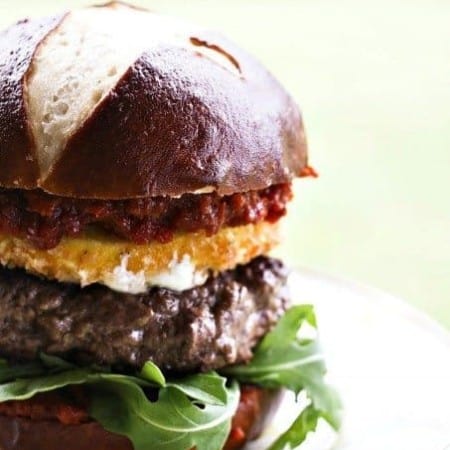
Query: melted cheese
{"x": 179, "y": 276}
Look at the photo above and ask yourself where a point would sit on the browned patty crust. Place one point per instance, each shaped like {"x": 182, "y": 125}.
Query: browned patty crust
{"x": 207, "y": 327}
{"x": 44, "y": 219}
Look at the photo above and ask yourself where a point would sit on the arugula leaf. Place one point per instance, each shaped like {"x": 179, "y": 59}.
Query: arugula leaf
{"x": 288, "y": 326}
{"x": 207, "y": 387}
{"x": 174, "y": 422}
{"x": 55, "y": 362}
{"x": 25, "y": 388}
{"x": 8, "y": 373}
{"x": 195, "y": 411}
{"x": 306, "y": 422}
{"x": 284, "y": 360}
{"x": 152, "y": 372}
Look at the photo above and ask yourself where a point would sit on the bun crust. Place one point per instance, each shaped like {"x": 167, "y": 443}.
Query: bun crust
{"x": 18, "y": 44}
{"x": 192, "y": 112}
{"x": 23, "y": 434}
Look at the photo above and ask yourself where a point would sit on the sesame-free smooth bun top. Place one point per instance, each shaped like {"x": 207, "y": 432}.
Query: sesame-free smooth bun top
{"x": 116, "y": 102}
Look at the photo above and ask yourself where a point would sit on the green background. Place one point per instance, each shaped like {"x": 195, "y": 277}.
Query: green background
{"x": 373, "y": 80}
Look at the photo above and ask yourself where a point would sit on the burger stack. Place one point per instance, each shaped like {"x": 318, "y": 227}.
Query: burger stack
{"x": 144, "y": 166}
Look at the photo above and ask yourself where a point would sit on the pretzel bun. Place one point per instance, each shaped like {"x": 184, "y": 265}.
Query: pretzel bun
{"x": 116, "y": 102}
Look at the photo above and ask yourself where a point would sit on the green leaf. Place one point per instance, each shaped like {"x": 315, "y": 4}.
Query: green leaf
{"x": 195, "y": 411}
{"x": 47, "y": 365}
{"x": 151, "y": 372}
{"x": 208, "y": 388}
{"x": 8, "y": 373}
{"x": 55, "y": 362}
{"x": 288, "y": 327}
{"x": 25, "y": 388}
{"x": 173, "y": 422}
{"x": 305, "y": 423}
{"x": 284, "y": 360}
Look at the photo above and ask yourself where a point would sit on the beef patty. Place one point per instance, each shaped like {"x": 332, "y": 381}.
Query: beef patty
{"x": 44, "y": 219}
{"x": 207, "y": 327}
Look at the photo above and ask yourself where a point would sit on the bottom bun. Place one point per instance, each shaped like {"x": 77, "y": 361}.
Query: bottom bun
{"x": 255, "y": 409}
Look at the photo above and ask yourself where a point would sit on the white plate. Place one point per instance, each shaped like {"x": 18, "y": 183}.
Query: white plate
{"x": 390, "y": 363}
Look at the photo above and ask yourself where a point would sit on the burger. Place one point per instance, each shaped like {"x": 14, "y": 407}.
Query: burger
{"x": 144, "y": 166}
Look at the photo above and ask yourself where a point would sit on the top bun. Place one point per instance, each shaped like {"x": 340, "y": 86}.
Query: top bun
{"x": 116, "y": 102}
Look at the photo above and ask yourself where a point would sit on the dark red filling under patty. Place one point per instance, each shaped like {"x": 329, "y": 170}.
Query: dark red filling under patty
{"x": 44, "y": 219}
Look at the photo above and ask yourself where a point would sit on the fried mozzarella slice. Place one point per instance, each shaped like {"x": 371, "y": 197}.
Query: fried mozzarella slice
{"x": 183, "y": 263}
